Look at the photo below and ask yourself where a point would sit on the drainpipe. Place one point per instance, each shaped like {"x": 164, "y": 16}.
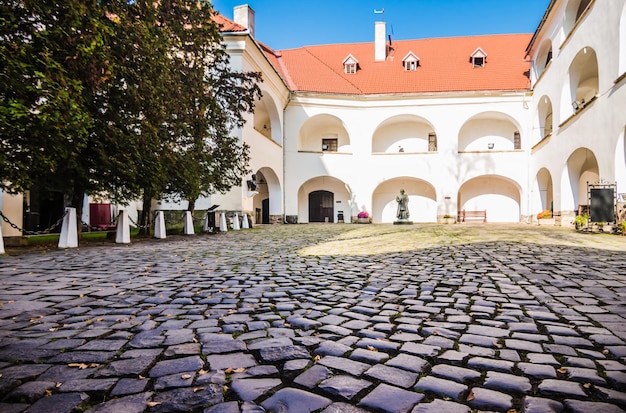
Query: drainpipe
{"x": 284, "y": 183}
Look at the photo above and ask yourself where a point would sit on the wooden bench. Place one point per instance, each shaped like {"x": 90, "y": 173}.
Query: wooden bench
{"x": 465, "y": 216}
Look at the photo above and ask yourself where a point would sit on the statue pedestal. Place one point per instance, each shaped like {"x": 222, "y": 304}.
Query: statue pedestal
{"x": 403, "y": 222}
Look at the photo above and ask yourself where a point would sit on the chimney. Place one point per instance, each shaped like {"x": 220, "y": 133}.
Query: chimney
{"x": 380, "y": 46}
{"x": 244, "y": 15}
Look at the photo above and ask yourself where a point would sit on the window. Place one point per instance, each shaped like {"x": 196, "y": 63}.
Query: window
{"x": 329, "y": 145}
{"x": 478, "y": 58}
{"x": 432, "y": 142}
{"x": 517, "y": 140}
{"x": 410, "y": 62}
{"x": 350, "y": 65}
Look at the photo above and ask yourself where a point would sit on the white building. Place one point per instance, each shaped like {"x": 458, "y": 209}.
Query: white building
{"x": 507, "y": 124}
{"x": 482, "y": 123}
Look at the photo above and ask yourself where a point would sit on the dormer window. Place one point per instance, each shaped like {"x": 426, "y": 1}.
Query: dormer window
{"x": 410, "y": 62}
{"x": 350, "y": 65}
{"x": 478, "y": 58}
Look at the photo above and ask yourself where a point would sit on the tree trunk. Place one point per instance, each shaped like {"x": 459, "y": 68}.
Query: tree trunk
{"x": 191, "y": 206}
{"x": 146, "y": 214}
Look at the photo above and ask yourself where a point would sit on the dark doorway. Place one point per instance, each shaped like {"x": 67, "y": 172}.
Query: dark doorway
{"x": 265, "y": 208}
{"x": 321, "y": 206}
{"x": 45, "y": 209}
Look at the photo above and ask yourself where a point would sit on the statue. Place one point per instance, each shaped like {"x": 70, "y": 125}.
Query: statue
{"x": 403, "y": 206}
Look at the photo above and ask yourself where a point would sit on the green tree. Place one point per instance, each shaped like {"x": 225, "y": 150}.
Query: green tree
{"x": 54, "y": 58}
{"x": 208, "y": 159}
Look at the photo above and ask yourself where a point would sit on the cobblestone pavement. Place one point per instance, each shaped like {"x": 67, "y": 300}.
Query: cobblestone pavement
{"x": 241, "y": 322}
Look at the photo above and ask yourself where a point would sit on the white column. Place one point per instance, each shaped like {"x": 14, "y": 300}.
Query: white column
{"x": 69, "y": 232}
{"x": 244, "y": 223}
{"x": 122, "y": 231}
{"x": 159, "y": 226}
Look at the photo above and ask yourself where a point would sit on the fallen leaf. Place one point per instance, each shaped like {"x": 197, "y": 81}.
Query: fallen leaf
{"x": 58, "y": 385}
{"x": 562, "y": 370}
{"x": 317, "y": 358}
{"x": 435, "y": 333}
{"x": 511, "y": 411}
{"x": 587, "y": 385}
{"x": 93, "y": 365}
{"x": 185, "y": 376}
{"x": 370, "y": 348}
{"x": 197, "y": 389}
{"x": 152, "y": 404}
{"x": 202, "y": 371}
{"x": 48, "y": 392}
{"x": 239, "y": 370}
{"x": 470, "y": 396}
{"x": 79, "y": 365}
{"x": 140, "y": 377}
{"x": 228, "y": 370}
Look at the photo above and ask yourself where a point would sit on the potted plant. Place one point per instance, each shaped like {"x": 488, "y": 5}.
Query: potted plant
{"x": 545, "y": 218}
{"x": 363, "y": 217}
{"x": 581, "y": 221}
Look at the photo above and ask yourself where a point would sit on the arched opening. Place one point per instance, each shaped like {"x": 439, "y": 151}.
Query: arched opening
{"x": 422, "y": 200}
{"x": 266, "y": 119}
{"x": 267, "y": 197}
{"x": 544, "y": 191}
{"x": 324, "y": 197}
{"x": 544, "y": 112}
{"x": 489, "y": 131}
{"x": 497, "y": 195}
{"x": 581, "y": 168}
{"x": 404, "y": 133}
{"x": 583, "y": 84}
{"x": 544, "y": 57}
{"x": 574, "y": 11}
{"x": 323, "y": 133}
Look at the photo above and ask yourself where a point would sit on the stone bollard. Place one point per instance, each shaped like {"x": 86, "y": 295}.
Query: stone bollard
{"x": 188, "y": 229}
{"x": 244, "y": 222}
{"x": 122, "y": 231}
{"x": 223, "y": 226}
{"x": 236, "y": 222}
{"x": 69, "y": 233}
{"x": 205, "y": 225}
{"x": 159, "y": 226}
{"x": 1, "y": 241}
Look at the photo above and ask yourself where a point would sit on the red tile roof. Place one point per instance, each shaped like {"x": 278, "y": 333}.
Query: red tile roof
{"x": 444, "y": 65}
{"x": 227, "y": 25}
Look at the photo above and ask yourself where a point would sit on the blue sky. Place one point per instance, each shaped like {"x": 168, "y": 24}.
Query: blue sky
{"x": 287, "y": 24}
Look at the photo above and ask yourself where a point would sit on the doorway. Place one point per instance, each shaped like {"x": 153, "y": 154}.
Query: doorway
{"x": 321, "y": 206}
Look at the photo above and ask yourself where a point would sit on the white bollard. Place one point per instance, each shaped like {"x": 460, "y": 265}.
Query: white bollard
{"x": 188, "y": 230}
{"x": 69, "y": 233}
{"x": 205, "y": 226}
{"x": 223, "y": 226}
{"x": 236, "y": 226}
{"x": 244, "y": 222}
{"x": 1, "y": 241}
{"x": 122, "y": 231}
{"x": 159, "y": 225}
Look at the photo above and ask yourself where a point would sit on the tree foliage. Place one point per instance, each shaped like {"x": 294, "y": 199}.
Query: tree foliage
{"x": 133, "y": 99}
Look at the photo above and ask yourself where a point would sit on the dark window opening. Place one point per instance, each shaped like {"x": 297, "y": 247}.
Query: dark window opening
{"x": 517, "y": 141}
{"x": 432, "y": 142}
{"x": 329, "y": 145}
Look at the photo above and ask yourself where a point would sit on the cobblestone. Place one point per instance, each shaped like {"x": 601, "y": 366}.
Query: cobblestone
{"x": 249, "y": 322}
